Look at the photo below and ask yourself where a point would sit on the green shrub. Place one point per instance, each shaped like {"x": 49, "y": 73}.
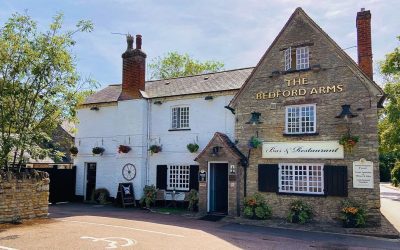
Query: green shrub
{"x": 101, "y": 196}
{"x": 353, "y": 215}
{"x": 395, "y": 174}
{"x": 149, "y": 196}
{"x": 300, "y": 212}
{"x": 255, "y": 207}
{"x": 386, "y": 164}
{"x": 193, "y": 198}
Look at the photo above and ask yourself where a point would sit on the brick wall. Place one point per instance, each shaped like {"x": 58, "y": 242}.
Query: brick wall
{"x": 24, "y": 198}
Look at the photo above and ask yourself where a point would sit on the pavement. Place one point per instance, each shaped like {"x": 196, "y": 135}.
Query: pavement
{"x": 390, "y": 204}
{"x": 85, "y": 226}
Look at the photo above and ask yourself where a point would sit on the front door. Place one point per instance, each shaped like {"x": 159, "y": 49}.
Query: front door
{"x": 218, "y": 183}
{"x": 90, "y": 180}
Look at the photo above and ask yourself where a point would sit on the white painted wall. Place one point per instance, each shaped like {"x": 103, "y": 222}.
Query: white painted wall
{"x": 108, "y": 128}
{"x": 126, "y": 124}
{"x": 205, "y": 118}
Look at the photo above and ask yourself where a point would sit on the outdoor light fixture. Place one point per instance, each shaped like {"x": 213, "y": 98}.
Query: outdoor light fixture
{"x": 157, "y": 102}
{"x": 233, "y": 170}
{"x": 215, "y": 150}
{"x": 208, "y": 98}
{"x": 94, "y": 108}
{"x": 255, "y": 118}
{"x": 346, "y": 113}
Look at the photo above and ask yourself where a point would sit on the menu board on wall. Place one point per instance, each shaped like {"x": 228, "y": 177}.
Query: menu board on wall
{"x": 363, "y": 174}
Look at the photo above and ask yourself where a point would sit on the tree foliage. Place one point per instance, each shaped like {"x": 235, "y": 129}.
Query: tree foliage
{"x": 38, "y": 84}
{"x": 389, "y": 123}
{"x": 177, "y": 65}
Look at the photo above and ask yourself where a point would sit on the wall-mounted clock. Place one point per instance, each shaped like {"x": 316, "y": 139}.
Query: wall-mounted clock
{"x": 129, "y": 172}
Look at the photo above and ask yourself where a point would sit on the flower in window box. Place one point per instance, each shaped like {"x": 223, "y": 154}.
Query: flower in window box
{"x": 348, "y": 141}
{"x": 255, "y": 142}
{"x": 192, "y": 147}
{"x": 124, "y": 149}
{"x": 154, "y": 149}
{"x": 73, "y": 150}
{"x": 98, "y": 150}
{"x": 352, "y": 214}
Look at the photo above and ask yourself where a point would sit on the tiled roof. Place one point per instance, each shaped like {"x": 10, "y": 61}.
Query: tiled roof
{"x": 204, "y": 83}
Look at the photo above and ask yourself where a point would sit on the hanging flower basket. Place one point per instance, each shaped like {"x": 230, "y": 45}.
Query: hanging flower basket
{"x": 73, "y": 150}
{"x": 192, "y": 147}
{"x": 123, "y": 149}
{"x": 348, "y": 141}
{"x": 98, "y": 150}
{"x": 255, "y": 142}
{"x": 154, "y": 149}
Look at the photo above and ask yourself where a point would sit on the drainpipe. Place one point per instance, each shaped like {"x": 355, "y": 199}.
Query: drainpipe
{"x": 245, "y": 173}
{"x": 148, "y": 142}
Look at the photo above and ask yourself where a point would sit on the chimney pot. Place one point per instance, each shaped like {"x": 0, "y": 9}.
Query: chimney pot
{"x": 362, "y": 9}
{"x": 129, "y": 41}
{"x": 138, "y": 41}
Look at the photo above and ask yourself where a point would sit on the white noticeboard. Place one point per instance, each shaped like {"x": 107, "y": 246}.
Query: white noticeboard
{"x": 303, "y": 149}
{"x": 363, "y": 174}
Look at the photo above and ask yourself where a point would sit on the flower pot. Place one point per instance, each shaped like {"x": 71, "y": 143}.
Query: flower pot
{"x": 350, "y": 222}
{"x": 296, "y": 218}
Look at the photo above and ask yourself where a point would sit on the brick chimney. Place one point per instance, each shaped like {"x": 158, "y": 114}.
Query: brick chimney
{"x": 133, "y": 69}
{"x": 364, "y": 47}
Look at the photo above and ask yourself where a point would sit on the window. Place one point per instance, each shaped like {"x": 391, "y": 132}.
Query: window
{"x": 302, "y": 58}
{"x": 299, "y": 56}
{"x": 178, "y": 177}
{"x": 180, "y": 117}
{"x": 301, "y": 178}
{"x": 301, "y": 119}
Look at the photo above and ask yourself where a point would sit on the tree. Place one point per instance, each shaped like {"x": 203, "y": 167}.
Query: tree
{"x": 177, "y": 65}
{"x": 389, "y": 122}
{"x": 38, "y": 84}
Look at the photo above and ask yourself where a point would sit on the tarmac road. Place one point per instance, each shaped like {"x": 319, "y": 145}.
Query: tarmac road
{"x": 390, "y": 204}
{"x": 80, "y": 226}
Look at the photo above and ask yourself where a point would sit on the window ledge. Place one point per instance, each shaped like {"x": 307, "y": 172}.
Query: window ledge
{"x": 301, "y": 194}
{"x": 179, "y": 129}
{"x": 295, "y": 70}
{"x": 300, "y": 135}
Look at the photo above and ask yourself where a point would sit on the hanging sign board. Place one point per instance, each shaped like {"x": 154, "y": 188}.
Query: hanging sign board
{"x": 363, "y": 174}
{"x": 126, "y": 195}
{"x": 303, "y": 150}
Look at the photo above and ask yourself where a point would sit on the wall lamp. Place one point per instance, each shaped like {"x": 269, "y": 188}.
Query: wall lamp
{"x": 157, "y": 102}
{"x": 94, "y": 108}
{"x": 346, "y": 112}
{"x": 255, "y": 118}
{"x": 215, "y": 150}
{"x": 208, "y": 98}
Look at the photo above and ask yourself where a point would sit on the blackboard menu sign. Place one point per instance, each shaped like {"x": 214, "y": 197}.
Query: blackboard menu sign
{"x": 126, "y": 194}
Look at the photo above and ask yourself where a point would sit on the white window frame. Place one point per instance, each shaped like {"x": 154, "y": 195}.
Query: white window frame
{"x": 301, "y": 116}
{"x": 302, "y": 58}
{"x": 178, "y": 177}
{"x": 180, "y": 120}
{"x": 309, "y": 181}
{"x": 288, "y": 58}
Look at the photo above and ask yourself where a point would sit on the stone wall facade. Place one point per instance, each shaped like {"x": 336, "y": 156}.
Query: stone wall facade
{"x": 23, "y": 198}
{"x": 334, "y": 81}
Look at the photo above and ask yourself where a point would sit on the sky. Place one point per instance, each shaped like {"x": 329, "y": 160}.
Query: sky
{"x": 232, "y": 31}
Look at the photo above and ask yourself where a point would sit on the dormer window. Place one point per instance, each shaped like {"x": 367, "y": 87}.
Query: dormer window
{"x": 297, "y": 58}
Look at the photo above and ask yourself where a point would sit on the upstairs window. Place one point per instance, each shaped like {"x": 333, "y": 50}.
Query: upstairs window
{"x": 180, "y": 118}
{"x": 301, "y": 119}
{"x": 297, "y": 58}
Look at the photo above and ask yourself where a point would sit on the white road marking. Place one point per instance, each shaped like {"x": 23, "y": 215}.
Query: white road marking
{"x": 112, "y": 243}
{"x": 129, "y": 228}
{"x": 7, "y": 248}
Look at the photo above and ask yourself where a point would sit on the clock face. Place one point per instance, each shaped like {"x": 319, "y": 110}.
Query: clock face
{"x": 129, "y": 172}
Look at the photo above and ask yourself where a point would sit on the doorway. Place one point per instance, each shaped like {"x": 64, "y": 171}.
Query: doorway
{"x": 90, "y": 179}
{"x": 218, "y": 188}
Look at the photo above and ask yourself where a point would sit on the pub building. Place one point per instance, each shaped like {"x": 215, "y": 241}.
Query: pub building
{"x": 303, "y": 96}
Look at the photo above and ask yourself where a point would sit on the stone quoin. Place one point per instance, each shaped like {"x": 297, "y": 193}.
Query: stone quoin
{"x": 299, "y": 102}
